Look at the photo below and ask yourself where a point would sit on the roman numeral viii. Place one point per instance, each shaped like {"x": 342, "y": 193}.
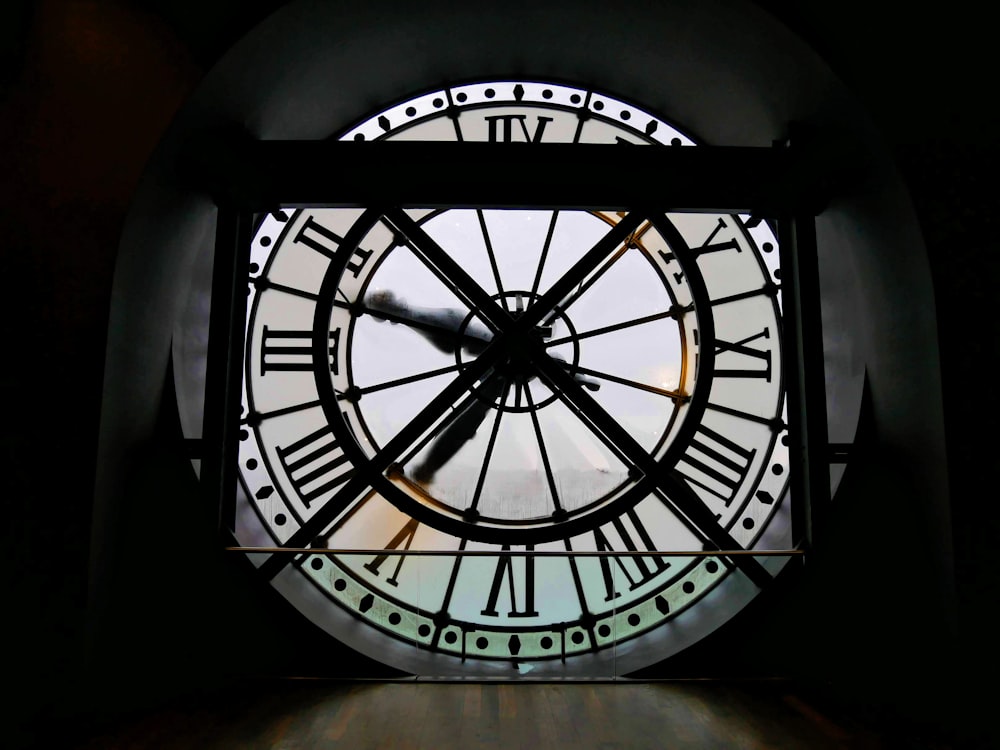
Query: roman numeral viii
{"x": 291, "y": 351}
{"x": 315, "y": 465}
{"x": 325, "y": 242}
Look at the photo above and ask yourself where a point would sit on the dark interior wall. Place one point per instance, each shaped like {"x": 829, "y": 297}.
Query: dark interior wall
{"x": 87, "y": 91}
{"x": 92, "y": 89}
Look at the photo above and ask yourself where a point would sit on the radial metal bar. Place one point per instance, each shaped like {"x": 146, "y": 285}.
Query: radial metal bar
{"x": 521, "y": 553}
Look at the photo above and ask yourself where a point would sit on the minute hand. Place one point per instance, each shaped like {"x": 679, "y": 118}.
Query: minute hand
{"x": 464, "y": 285}
{"x": 446, "y": 329}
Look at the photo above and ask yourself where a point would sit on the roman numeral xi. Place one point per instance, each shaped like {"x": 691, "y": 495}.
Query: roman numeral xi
{"x": 756, "y": 362}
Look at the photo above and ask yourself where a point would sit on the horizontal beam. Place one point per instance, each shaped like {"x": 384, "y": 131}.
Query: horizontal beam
{"x": 266, "y": 175}
{"x": 521, "y": 553}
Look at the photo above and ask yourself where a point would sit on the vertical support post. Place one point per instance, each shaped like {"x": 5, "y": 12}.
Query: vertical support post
{"x": 803, "y": 342}
{"x": 220, "y": 434}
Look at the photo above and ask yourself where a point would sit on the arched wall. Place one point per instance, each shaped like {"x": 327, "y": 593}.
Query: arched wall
{"x": 721, "y": 69}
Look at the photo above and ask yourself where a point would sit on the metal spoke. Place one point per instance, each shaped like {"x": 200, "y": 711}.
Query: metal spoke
{"x": 770, "y": 289}
{"x": 579, "y": 271}
{"x": 680, "y": 498}
{"x": 440, "y": 427}
{"x": 581, "y": 120}
{"x": 774, "y": 422}
{"x": 403, "y": 381}
{"x": 577, "y": 581}
{"x": 545, "y": 254}
{"x": 628, "y": 243}
{"x": 461, "y": 282}
{"x": 250, "y": 418}
{"x": 493, "y": 257}
{"x": 450, "y": 589}
{"x": 489, "y": 448}
{"x": 337, "y": 524}
{"x": 675, "y": 395}
{"x": 435, "y": 271}
{"x": 262, "y": 284}
{"x": 454, "y": 119}
{"x": 541, "y": 449}
{"x": 673, "y": 312}
{"x": 461, "y": 428}
{"x": 366, "y": 475}
{"x": 582, "y": 289}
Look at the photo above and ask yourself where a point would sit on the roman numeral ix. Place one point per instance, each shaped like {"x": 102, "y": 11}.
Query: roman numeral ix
{"x": 291, "y": 351}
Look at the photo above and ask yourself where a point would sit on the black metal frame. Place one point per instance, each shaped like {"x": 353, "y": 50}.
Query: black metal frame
{"x": 788, "y": 183}
{"x": 264, "y": 175}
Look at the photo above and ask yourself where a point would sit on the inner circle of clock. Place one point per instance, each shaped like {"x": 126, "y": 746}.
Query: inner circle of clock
{"x": 516, "y": 368}
{"x": 513, "y": 449}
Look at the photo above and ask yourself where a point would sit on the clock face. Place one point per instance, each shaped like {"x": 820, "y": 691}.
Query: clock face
{"x": 508, "y": 389}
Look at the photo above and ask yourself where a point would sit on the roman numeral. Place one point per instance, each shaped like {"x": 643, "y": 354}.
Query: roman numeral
{"x": 315, "y": 464}
{"x": 524, "y": 584}
{"x": 403, "y": 537}
{"x": 637, "y": 570}
{"x": 705, "y": 248}
{"x": 501, "y": 128}
{"x": 715, "y": 463}
{"x": 291, "y": 351}
{"x": 740, "y": 347}
{"x": 713, "y": 247}
{"x": 325, "y": 242}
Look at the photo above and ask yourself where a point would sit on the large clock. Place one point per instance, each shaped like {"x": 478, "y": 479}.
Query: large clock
{"x": 544, "y": 409}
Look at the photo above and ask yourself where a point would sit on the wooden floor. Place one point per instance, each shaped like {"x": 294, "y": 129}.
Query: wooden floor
{"x": 439, "y": 716}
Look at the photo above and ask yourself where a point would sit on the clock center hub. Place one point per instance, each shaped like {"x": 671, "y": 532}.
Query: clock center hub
{"x": 513, "y": 384}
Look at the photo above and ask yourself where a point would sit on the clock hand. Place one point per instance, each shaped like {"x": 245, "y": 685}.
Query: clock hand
{"x": 443, "y": 328}
{"x": 589, "y": 383}
{"x": 460, "y": 431}
{"x": 679, "y": 496}
{"x": 464, "y": 427}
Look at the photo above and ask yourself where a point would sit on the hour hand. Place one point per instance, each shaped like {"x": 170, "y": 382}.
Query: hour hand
{"x": 460, "y": 431}
{"x": 589, "y": 383}
{"x": 443, "y": 328}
